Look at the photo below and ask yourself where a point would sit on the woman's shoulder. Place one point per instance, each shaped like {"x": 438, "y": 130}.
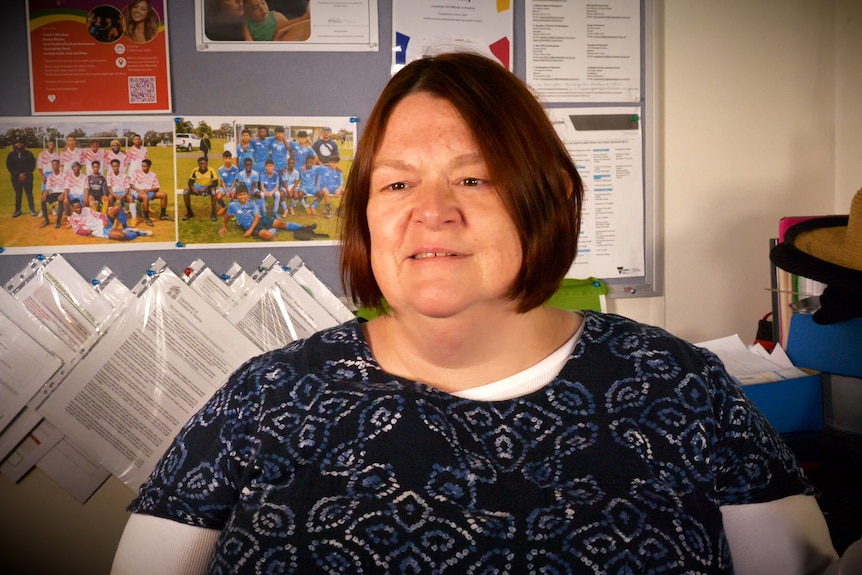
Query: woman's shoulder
{"x": 629, "y": 339}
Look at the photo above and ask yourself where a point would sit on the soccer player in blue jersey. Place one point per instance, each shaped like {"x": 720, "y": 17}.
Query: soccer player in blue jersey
{"x": 290, "y": 183}
{"x": 280, "y": 150}
{"x": 227, "y": 175}
{"x": 244, "y": 149}
{"x": 332, "y": 178}
{"x": 250, "y": 178}
{"x": 309, "y": 184}
{"x": 302, "y": 149}
{"x": 270, "y": 187}
{"x": 261, "y": 146}
{"x": 249, "y": 218}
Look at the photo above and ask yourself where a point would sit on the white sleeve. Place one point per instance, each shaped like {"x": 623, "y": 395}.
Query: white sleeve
{"x": 787, "y": 536}
{"x": 156, "y": 545}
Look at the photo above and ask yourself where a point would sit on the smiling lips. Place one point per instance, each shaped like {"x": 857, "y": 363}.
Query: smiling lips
{"x": 427, "y": 255}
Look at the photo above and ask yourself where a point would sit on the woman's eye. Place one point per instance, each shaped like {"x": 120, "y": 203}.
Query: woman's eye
{"x": 397, "y": 186}
{"x": 471, "y": 182}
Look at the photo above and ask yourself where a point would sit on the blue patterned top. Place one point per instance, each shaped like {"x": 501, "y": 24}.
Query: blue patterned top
{"x": 311, "y": 459}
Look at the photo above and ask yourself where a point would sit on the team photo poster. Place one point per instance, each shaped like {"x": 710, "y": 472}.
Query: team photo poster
{"x": 160, "y": 182}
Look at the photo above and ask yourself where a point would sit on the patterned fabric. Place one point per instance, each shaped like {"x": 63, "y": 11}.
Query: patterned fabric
{"x": 311, "y": 459}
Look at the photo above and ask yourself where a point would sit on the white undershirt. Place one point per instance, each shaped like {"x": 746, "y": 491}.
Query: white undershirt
{"x": 787, "y": 536}
{"x": 527, "y": 381}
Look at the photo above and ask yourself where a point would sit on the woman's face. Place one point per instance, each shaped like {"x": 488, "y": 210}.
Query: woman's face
{"x": 442, "y": 242}
{"x": 232, "y": 7}
{"x": 139, "y": 11}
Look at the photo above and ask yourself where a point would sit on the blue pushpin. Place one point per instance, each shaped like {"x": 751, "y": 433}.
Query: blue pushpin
{"x": 178, "y": 120}
{"x": 597, "y": 283}
{"x": 151, "y": 273}
{"x": 40, "y": 257}
{"x": 181, "y": 245}
{"x": 94, "y": 281}
{"x": 225, "y": 277}
{"x": 353, "y": 119}
{"x": 1, "y": 250}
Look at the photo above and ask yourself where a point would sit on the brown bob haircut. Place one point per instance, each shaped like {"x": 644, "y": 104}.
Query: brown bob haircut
{"x": 535, "y": 177}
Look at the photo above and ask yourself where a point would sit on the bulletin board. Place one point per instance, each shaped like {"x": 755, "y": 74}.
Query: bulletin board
{"x": 316, "y": 84}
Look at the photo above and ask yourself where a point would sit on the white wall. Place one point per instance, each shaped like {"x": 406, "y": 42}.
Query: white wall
{"x": 762, "y": 119}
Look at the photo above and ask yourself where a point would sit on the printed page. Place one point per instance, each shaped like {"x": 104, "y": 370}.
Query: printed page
{"x": 279, "y": 310}
{"x": 607, "y": 148}
{"x": 24, "y": 367}
{"x": 305, "y": 277}
{"x": 580, "y": 51}
{"x": 65, "y": 302}
{"x": 68, "y": 315}
{"x": 215, "y": 290}
{"x": 162, "y": 360}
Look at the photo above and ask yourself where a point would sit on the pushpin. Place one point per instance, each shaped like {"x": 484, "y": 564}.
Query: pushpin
{"x": 178, "y": 120}
{"x": 597, "y": 283}
{"x": 151, "y": 273}
{"x": 40, "y": 257}
{"x": 634, "y": 118}
{"x": 94, "y": 281}
{"x": 188, "y": 271}
{"x": 181, "y": 245}
{"x": 353, "y": 119}
{"x": 225, "y": 277}
{"x": 1, "y": 250}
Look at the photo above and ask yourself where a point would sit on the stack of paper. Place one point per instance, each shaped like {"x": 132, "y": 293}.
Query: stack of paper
{"x": 752, "y": 364}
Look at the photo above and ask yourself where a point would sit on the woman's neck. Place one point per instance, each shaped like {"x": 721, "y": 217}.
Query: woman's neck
{"x": 454, "y": 354}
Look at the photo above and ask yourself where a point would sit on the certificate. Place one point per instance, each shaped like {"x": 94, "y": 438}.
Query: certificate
{"x": 580, "y": 51}
{"x": 421, "y": 28}
{"x": 98, "y": 56}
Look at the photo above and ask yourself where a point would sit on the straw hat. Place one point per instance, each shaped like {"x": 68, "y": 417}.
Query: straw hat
{"x": 828, "y": 249}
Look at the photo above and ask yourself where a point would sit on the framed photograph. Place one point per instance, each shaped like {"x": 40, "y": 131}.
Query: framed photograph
{"x": 286, "y": 25}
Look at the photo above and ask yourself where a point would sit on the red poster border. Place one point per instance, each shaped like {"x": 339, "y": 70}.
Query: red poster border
{"x": 75, "y": 71}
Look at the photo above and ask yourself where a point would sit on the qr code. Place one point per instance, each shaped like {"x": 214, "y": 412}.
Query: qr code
{"x": 142, "y": 89}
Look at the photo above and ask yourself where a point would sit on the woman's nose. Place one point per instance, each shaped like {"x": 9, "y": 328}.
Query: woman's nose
{"x": 436, "y": 204}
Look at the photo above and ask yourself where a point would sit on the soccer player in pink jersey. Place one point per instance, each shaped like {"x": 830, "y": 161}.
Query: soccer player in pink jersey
{"x": 115, "y": 153}
{"x": 144, "y": 185}
{"x": 135, "y": 155}
{"x": 43, "y": 161}
{"x": 75, "y": 188}
{"x": 70, "y": 154}
{"x": 55, "y": 185}
{"x": 119, "y": 187}
{"x": 95, "y": 153}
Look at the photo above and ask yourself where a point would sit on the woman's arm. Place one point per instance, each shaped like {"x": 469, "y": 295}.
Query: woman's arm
{"x": 155, "y": 545}
{"x": 787, "y": 536}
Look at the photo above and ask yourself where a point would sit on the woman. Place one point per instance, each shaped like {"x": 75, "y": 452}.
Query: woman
{"x": 142, "y": 21}
{"x": 471, "y": 428}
